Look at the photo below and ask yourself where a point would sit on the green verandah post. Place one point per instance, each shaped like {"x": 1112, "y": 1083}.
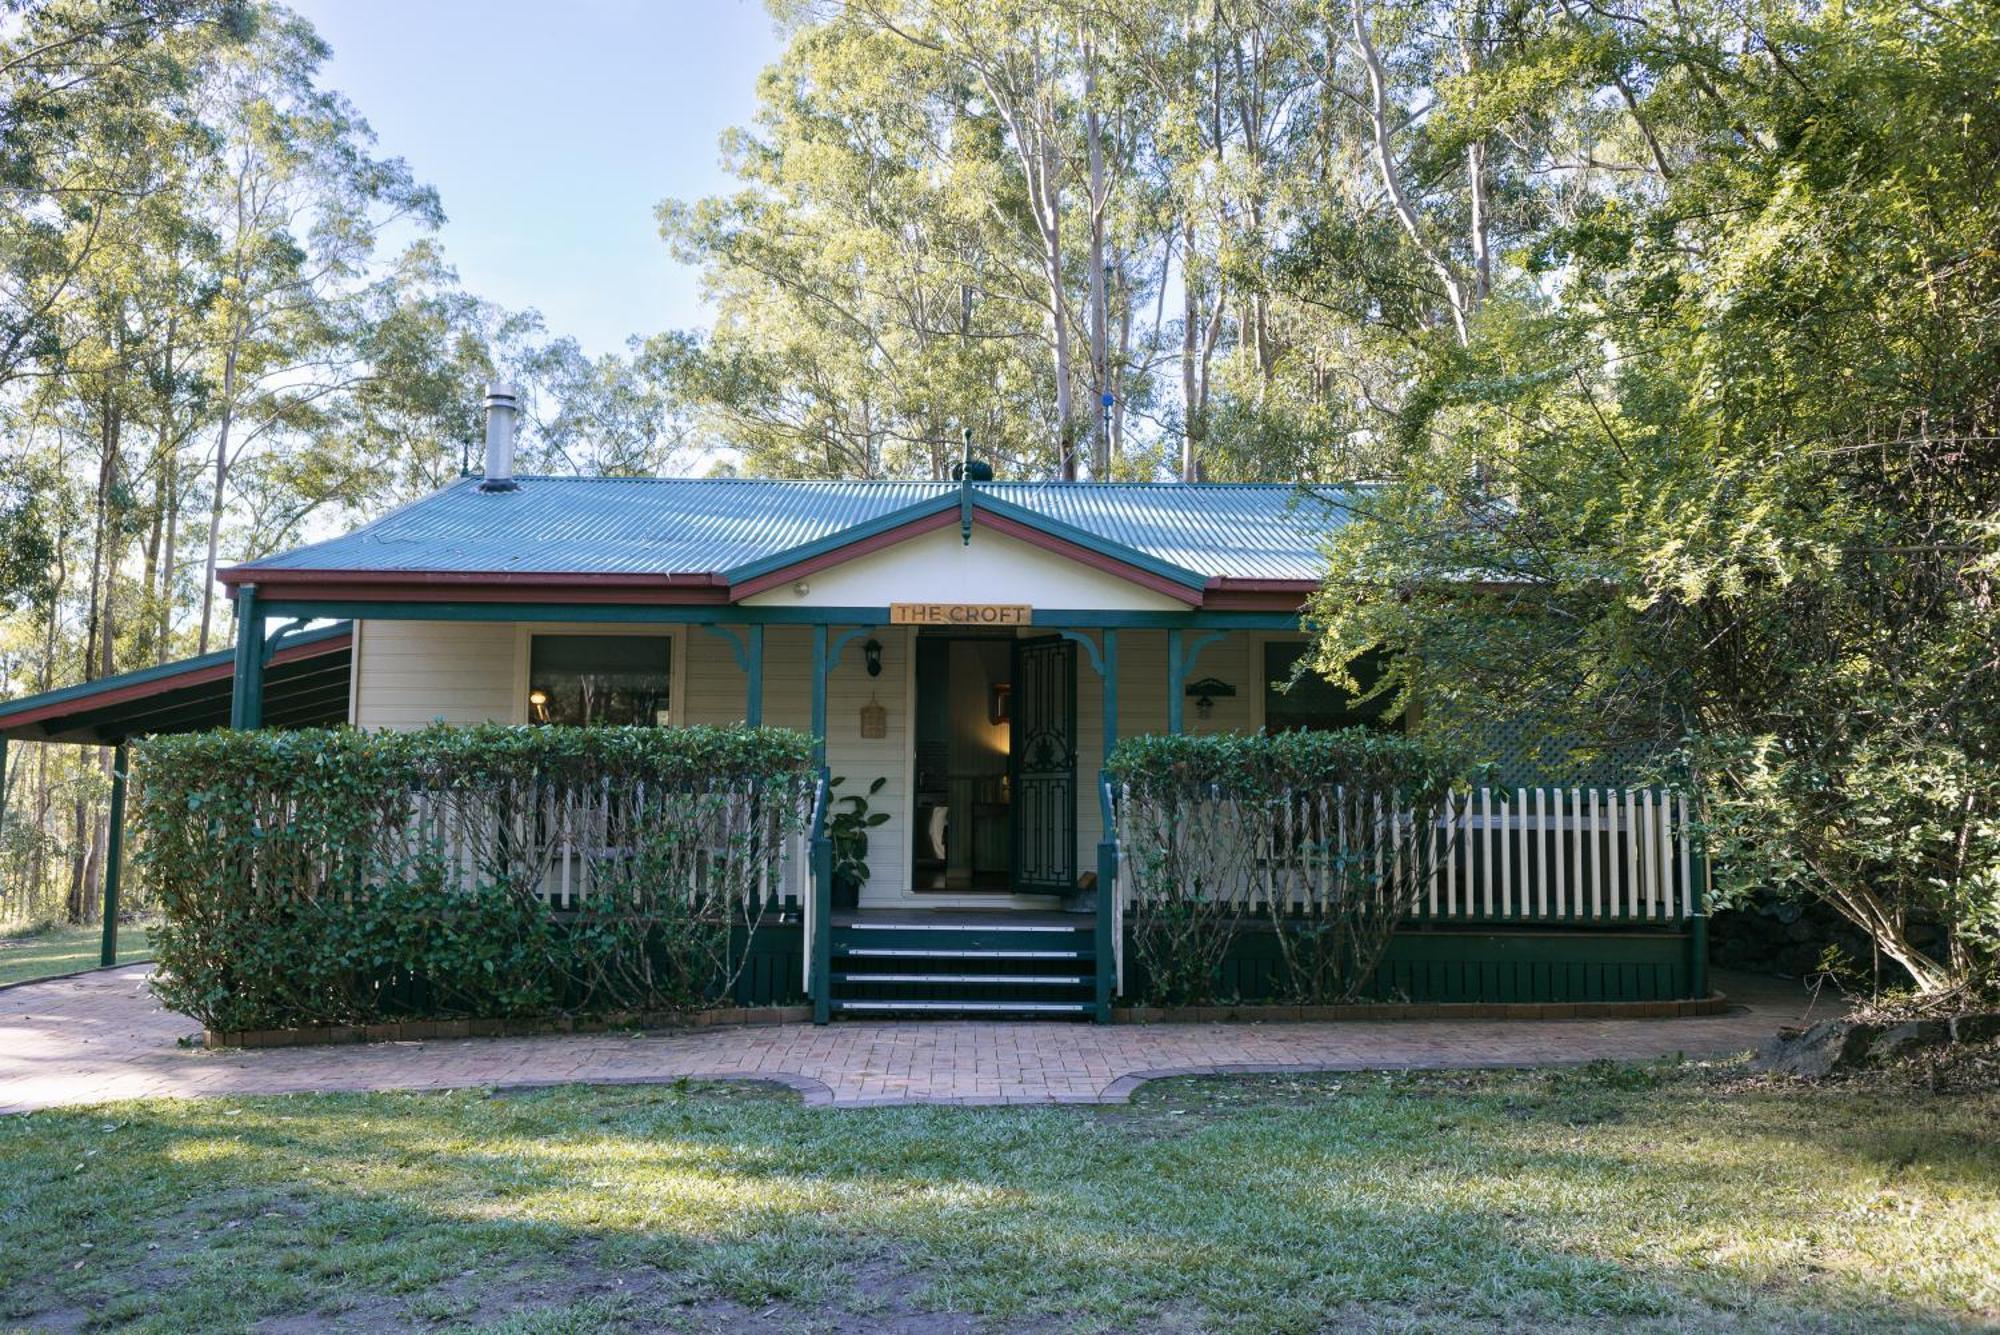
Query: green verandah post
{"x": 1105, "y": 660}
{"x": 246, "y": 696}
{"x": 1107, "y": 840}
{"x": 822, "y": 848}
{"x": 114, "y": 855}
{"x": 3, "y": 803}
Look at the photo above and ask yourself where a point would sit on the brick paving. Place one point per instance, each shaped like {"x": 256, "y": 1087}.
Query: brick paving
{"x": 101, "y": 1036}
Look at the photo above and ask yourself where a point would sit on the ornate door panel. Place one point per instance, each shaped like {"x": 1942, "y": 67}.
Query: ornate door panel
{"x": 1043, "y": 760}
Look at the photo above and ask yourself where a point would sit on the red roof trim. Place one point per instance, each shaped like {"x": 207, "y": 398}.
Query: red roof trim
{"x": 874, "y": 542}
{"x": 1132, "y": 574}
{"x": 477, "y": 587}
{"x": 982, "y": 518}
{"x": 698, "y": 589}
{"x": 176, "y": 681}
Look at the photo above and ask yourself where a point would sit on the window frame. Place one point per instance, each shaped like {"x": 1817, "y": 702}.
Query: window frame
{"x": 676, "y": 635}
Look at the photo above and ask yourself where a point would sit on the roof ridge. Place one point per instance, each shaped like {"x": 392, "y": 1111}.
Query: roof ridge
{"x": 1042, "y": 485}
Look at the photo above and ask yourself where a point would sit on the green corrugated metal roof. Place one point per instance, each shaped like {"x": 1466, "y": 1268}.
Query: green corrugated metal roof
{"x": 680, "y": 526}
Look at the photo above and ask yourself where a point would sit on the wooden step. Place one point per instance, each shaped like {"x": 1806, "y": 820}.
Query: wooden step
{"x": 921, "y": 953}
{"x": 966, "y": 1007}
{"x": 981, "y": 979}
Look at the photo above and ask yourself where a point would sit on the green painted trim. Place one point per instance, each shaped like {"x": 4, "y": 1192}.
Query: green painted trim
{"x": 748, "y": 651}
{"x": 114, "y": 856}
{"x": 735, "y": 642}
{"x": 819, "y": 668}
{"x": 1091, "y": 542}
{"x": 841, "y": 642}
{"x": 822, "y": 946}
{"x": 697, "y": 614}
{"x": 1089, "y": 648}
{"x": 1104, "y": 966}
{"x": 1110, "y": 691}
{"x": 246, "y": 692}
{"x": 1493, "y": 966}
{"x": 845, "y": 537}
{"x": 1181, "y": 657}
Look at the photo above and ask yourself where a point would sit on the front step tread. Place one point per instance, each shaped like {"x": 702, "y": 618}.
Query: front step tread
{"x": 981, "y": 1007}
{"x": 880, "y": 952}
{"x": 982, "y": 979}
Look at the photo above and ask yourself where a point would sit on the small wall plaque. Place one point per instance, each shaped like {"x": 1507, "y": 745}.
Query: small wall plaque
{"x": 960, "y": 614}
{"x": 874, "y": 721}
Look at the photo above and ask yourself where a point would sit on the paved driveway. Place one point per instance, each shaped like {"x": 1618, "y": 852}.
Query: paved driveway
{"x": 101, "y": 1036}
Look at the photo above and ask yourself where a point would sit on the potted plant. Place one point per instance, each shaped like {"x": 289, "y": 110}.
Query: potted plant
{"x": 848, "y": 831}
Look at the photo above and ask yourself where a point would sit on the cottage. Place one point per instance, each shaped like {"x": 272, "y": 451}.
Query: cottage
{"x": 965, "y": 654}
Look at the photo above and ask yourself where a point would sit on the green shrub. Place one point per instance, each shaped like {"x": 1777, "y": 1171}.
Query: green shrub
{"x": 1324, "y": 834}
{"x": 345, "y": 877}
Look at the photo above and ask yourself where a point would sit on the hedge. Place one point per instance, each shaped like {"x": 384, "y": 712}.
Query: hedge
{"x": 347, "y": 877}
{"x": 1324, "y": 834}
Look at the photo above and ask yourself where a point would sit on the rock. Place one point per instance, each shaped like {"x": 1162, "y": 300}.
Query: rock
{"x": 1827, "y": 1047}
{"x": 1910, "y": 1036}
{"x": 1980, "y": 1027}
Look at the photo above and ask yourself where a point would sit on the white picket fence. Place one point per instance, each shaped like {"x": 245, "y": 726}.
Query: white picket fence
{"x": 1562, "y": 855}
{"x": 564, "y": 838}
{"x": 1555, "y": 855}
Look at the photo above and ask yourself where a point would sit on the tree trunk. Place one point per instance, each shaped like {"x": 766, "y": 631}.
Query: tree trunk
{"x": 215, "y": 504}
{"x": 1100, "y": 358}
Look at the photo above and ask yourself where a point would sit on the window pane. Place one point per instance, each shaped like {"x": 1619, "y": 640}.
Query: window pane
{"x": 622, "y": 679}
{"x": 1313, "y": 703}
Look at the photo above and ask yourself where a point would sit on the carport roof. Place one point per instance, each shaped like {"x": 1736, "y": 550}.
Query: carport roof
{"x": 305, "y": 685}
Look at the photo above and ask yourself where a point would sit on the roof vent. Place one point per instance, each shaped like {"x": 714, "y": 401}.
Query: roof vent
{"x": 502, "y": 417}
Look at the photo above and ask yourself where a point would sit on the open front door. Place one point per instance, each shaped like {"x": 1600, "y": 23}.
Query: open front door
{"x": 1044, "y": 765}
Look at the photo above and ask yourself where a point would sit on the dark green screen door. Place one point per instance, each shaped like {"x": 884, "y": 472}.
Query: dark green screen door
{"x": 1043, "y": 759}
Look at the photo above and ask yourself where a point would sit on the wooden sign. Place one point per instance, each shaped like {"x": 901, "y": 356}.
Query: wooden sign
{"x": 960, "y": 614}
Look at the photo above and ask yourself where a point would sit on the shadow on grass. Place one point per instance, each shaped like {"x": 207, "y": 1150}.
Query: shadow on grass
{"x": 1539, "y": 1201}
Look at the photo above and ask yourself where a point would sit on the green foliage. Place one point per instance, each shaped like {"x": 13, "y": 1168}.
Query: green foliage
{"x": 339, "y": 876}
{"x": 848, "y": 829}
{"x": 1726, "y": 470}
{"x": 1324, "y": 834}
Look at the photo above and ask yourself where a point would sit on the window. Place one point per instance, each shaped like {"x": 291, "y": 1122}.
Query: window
{"x": 576, "y": 679}
{"x": 1313, "y": 703}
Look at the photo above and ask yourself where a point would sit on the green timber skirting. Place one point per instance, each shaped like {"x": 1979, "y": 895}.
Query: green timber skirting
{"x": 1434, "y": 966}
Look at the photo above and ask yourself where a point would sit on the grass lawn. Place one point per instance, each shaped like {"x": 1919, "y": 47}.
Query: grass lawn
{"x": 1635, "y": 1198}
{"x": 66, "y": 949}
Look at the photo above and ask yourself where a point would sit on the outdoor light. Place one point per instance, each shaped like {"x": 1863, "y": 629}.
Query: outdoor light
{"x": 1206, "y": 692}
{"x": 872, "y": 652}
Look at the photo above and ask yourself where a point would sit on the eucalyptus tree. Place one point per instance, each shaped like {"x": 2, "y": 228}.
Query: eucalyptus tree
{"x": 1724, "y": 446}
{"x": 297, "y": 200}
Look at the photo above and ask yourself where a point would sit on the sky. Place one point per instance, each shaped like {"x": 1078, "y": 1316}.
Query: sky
{"x": 551, "y": 130}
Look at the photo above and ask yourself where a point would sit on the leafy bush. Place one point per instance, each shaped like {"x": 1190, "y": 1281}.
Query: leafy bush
{"x": 1316, "y": 832}
{"x": 343, "y": 877}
